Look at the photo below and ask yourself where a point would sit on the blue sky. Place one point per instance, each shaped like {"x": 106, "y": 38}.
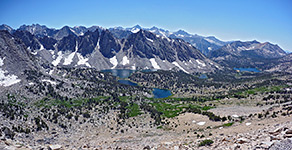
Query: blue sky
{"x": 263, "y": 20}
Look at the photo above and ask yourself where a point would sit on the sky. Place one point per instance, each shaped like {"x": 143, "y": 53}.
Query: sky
{"x": 245, "y": 20}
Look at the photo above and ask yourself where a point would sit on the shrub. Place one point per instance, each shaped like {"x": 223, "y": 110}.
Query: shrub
{"x": 86, "y": 115}
{"x": 206, "y": 142}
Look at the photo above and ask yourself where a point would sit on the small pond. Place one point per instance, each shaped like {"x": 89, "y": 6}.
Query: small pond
{"x": 247, "y": 69}
{"x": 161, "y": 93}
{"x": 203, "y": 76}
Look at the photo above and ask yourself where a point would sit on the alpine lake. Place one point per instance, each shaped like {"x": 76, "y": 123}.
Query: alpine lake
{"x": 125, "y": 73}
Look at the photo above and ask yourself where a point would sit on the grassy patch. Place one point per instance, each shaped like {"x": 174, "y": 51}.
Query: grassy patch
{"x": 171, "y": 110}
{"x": 168, "y": 110}
{"x": 124, "y": 98}
{"x": 207, "y": 107}
{"x": 159, "y": 127}
{"x": 134, "y": 110}
{"x": 228, "y": 124}
{"x": 262, "y": 89}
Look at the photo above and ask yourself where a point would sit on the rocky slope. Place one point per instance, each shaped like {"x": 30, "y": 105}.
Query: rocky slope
{"x": 14, "y": 59}
{"x": 283, "y": 64}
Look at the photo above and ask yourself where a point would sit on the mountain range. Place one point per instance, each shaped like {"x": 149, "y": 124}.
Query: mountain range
{"x": 136, "y": 48}
{"x": 105, "y": 49}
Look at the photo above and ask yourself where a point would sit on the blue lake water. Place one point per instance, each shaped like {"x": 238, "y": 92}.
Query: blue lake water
{"x": 122, "y": 73}
{"x": 161, "y": 93}
{"x": 203, "y": 76}
{"x": 127, "y": 82}
{"x": 125, "y": 73}
{"x": 149, "y": 70}
{"x": 247, "y": 69}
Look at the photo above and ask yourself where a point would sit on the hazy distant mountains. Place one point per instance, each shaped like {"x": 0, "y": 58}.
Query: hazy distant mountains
{"x": 141, "y": 48}
{"x": 246, "y": 54}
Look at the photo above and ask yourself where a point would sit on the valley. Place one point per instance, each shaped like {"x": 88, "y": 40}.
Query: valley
{"x": 136, "y": 88}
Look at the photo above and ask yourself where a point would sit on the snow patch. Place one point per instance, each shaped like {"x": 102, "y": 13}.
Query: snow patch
{"x": 7, "y": 80}
{"x": 114, "y": 61}
{"x": 180, "y": 35}
{"x": 73, "y": 31}
{"x": 248, "y": 123}
{"x": 176, "y": 64}
{"x": 149, "y": 39}
{"x": 210, "y": 41}
{"x": 97, "y": 45}
{"x": 52, "y": 82}
{"x": 125, "y": 60}
{"x": 209, "y": 48}
{"x": 201, "y": 123}
{"x": 82, "y": 60}
{"x": 52, "y": 52}
{"x": 42, "y": 46}
{"x": 135, "y": 30}
{"x": 51, "y": 71}
{"x": 134, "y": 67}
{"x": 34, "y": 53}
{"x": 1, "y": 62}
{"x": 235, "y": 116}
{"x": 58, "y": 59}
{"x": 68, "y": 60}
{"x": 200, "y": 63}
{"x": 154, "y": 63}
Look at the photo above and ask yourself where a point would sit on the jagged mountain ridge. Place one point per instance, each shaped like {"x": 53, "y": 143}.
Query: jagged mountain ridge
{"x": 67, "y": 40}
{"x": 101, "y": 49}
{"x": 204, "y": 44}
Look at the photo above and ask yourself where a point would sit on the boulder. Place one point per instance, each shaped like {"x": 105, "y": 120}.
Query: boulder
{"x": 266, "y": 144}
{"x": 8, "y": 133}
{"x": 55, "y": 147}
{"x": 288, "y": 136}
{"x": 289, "y": 132}
{"x": 275, "y": 138}
{"x": 242, "y": 140}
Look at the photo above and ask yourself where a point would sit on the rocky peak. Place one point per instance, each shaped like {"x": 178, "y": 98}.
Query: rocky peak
{"x": 80, "y": 30}
{"x": 108, "y": 44}
{"x": 28, "y": 39}
{"x": 63, "y": 32}
{"x": 38, "y": 30}
{"x": 88, "y": 42}
{"x": 7, "y": 28}
{"x": 137, "y": 27}
{"x": 67, "y": 43}
{"x": 182, "y": 33}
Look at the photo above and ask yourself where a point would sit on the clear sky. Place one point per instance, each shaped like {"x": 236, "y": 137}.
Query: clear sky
{"x": 262, "y": 20}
